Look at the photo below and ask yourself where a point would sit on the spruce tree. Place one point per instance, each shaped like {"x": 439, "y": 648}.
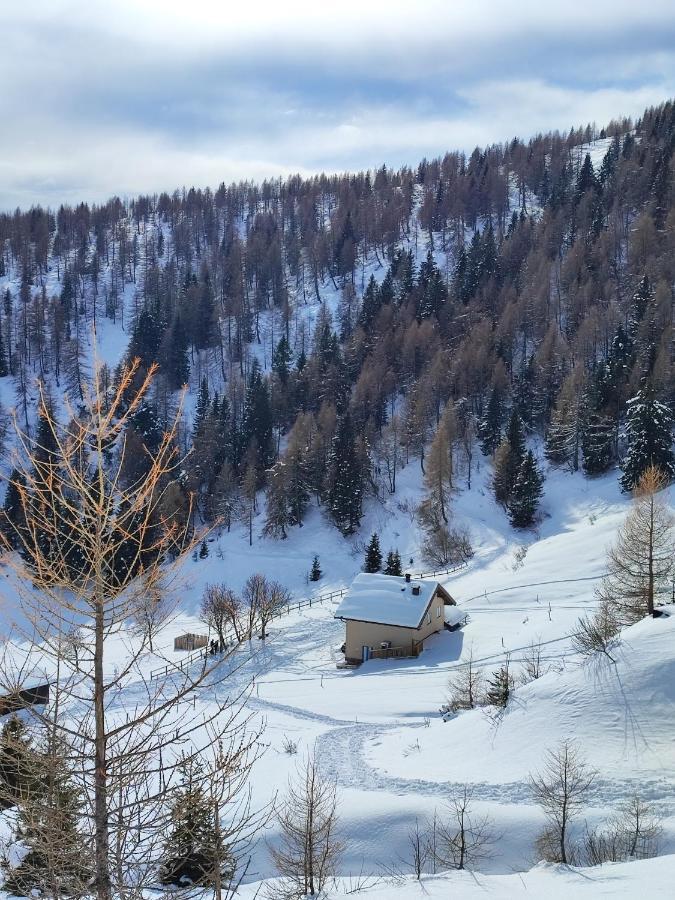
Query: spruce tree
{"x": 191, "y": 851}
{"x": 649, "y": 424}
{"x": 373, "y": 560}
{"x": 257, "y": 423}
{"x": 315, "y": 572}
{"x": 14, "y": 514}
{"x": 345, "y": 480}
{"x": 508, "y": 460}
{"x": 277, "y": 505}
{"x": 176, "y": 359}
{"x": 526, "y": 493}
{"x": 281, "y": 360}
{"x": 587, "y": 179}
{"x": 597, "y": 443}
{"x": 393, "y": 564}
{"x": 490, "y": 428}
{"x": 499, "y": 687}
{"x": 17, "y": 770}
{"x": 431, "y": 289}
{"x": 370, "y": 306}
{"x": 598, "y": 427}
{"x": 4, "y": 368}
{"x": 55, "y": 862}
{"x": 563, "y": 438}
{"x": 202, "y": 409}
{"x": 203, "y": 550}
{"x": 145, "y": 338}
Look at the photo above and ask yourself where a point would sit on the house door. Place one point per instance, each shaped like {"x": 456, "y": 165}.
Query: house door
{"x": 365, "y": 653}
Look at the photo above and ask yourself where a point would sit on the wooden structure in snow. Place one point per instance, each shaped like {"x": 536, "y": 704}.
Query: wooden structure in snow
{"x": 190, "y": 641}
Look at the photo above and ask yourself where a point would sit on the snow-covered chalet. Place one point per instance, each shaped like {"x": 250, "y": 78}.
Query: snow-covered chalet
{"x": 389, "y": 616}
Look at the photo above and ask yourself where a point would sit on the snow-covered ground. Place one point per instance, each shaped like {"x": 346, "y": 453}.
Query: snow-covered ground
{"x": 378, "y": 730}
{"x": 619, "y": 881}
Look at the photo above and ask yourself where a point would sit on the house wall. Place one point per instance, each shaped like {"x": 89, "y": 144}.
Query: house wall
{"x": 372, "y": 635}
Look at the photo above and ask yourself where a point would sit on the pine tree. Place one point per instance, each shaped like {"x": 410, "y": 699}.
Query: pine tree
{"x": 345, "y": 480}
{"x": 4, "y": 368}
{"x": 14, "y": 514}
{"x": 315, "y": 572}
{"x": 649, "y": 425}
{"x": 490, "y": 428}
{"x": 499, "y": 687}
{"x": 49, "y": 811}
{"x": 526, "y": 493}
{"x": 17, "y": 770}
{"x": 281, "y": 360}
{"x": 508, "y": 460}
{"x": 176, "y": 359}
{"x": 277, "y": 505}
{"x": 203, "y": 550}
{"x": 373, "y": 560}
{"x": 393, "y": 564}
{"x": 190, "y": 849}
{"x": 257, "y": 423}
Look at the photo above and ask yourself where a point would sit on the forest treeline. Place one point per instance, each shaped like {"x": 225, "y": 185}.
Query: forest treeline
{"x": 516, "y": 290}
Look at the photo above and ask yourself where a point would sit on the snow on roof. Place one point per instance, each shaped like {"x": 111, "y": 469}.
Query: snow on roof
{"x": 386, "y": 600}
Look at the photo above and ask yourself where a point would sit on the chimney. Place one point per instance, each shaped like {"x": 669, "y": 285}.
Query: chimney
{"x": 416, "y": 590}
{"x": 407, "y": 577}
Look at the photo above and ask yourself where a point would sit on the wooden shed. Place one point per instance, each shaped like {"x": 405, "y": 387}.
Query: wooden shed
{"x": 190, "y": 642}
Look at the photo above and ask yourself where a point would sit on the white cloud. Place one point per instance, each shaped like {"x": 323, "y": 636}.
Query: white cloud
{"x": 127, "y": 96}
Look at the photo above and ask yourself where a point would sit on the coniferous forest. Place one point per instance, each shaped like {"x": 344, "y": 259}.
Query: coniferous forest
{"x": 331, "y": 329}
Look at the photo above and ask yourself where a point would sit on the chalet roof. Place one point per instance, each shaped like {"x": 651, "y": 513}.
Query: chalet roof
{"x": 388, "y": 600}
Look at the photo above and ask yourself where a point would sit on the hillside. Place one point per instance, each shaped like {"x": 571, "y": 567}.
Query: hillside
{"x": 380, "y": 353}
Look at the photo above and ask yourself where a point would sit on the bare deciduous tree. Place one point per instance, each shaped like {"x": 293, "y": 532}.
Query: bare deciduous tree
{"x": 93, "y": 551}
{"x": 598, "y": 633}
{"x": 309, "y": 849}
{"x": 533, "y": 665}
{"x": 464, "y": 838}
{"x": 465, "y": 687}
{"x": 560, "y": 789}
{"x": 221, "y": 607}
{"x": 419, "y": 847}
{"x": 263, "y": 600}
{"x": 633, "y": 833}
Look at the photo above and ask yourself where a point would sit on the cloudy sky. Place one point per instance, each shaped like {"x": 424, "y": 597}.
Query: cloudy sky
{"x": 102, "y": 97}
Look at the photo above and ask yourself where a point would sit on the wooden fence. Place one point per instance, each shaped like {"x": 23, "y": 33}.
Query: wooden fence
{"x": 230, "y": 637}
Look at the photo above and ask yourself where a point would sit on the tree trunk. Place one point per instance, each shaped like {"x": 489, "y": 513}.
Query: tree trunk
{"x": 103, "y": 886}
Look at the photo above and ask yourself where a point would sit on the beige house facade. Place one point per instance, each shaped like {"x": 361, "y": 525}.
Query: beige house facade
{"x": 389, "y": 616}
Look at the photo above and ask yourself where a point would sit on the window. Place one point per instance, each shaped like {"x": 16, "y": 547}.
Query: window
{"x": 439, "y": 610}
{"x": 429, "y": 618}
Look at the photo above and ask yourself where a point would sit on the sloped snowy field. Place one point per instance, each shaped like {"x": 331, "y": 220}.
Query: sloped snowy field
{"x": 620, "y": 881}
{"x": 378, "y": 730}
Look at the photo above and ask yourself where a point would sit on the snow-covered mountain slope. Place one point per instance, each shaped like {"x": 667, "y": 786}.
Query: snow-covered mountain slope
{"x": 378, "y": 729}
